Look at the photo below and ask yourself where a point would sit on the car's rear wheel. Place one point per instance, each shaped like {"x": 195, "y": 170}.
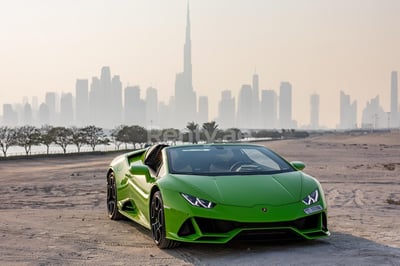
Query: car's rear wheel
{"x": 157, "y": 221}
{"x": 112, "y": 207}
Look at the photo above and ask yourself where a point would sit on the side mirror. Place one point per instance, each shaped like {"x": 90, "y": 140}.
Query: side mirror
{"x": 142, "y": 170}
{"x": 298, "y": 165}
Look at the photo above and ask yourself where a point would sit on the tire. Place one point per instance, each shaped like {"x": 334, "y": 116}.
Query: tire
{"x": 112, "y": 207}
{"x": 157, "y": 222}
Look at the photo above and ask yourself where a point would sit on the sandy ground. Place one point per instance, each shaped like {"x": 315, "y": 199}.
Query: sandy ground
{"x": 52, "y": 211}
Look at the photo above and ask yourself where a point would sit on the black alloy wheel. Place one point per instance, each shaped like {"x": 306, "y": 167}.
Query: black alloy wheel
{"x": 112, "y": 208}
{"x": 158, "y": 223}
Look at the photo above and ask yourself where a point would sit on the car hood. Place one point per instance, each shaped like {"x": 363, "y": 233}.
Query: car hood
{"x": 244, "y": 190}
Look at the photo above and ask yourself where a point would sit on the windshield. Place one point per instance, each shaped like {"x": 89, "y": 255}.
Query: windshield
{"x": 225, "y": 160}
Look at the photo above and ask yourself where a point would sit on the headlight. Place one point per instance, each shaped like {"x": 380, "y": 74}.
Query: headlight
{"x": 311, "y": 198}
{"x": 198, "y": 202}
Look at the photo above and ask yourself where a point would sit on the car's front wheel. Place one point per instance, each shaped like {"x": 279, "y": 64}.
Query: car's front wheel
{"x": 157, "y": 221}
{"x": 112, "y": 207}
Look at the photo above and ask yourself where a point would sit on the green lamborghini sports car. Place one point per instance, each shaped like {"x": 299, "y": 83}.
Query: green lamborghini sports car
{"x": 214, "y": 193}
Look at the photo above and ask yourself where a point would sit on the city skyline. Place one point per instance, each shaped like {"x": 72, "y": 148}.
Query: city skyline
{"x": 361, "y": 37}
{"x": 251, "y": 109}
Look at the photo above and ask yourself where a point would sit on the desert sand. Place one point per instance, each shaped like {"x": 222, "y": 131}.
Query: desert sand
{"x": 53, "y": 211}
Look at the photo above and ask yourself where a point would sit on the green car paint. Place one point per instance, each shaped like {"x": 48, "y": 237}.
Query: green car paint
{"x": 220, "y": 206}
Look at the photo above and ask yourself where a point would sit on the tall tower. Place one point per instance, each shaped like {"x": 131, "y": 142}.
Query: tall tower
{"x": 27, "y": 114}
{"x": 10, "y": 117}
{"x": 256, "y": 102}
{"x": 82, "y": 102}
{"x": 285, "y": 105}
{"x": 104, "y": 99}
{"x": 245, "y": 100}
{"x": 348, "y": 112}
{"x": 185, "y": 97}
{"x": 314, "y": 111}
{"x": 50, "y": 100}
{"x": 66, "y": 109}
{"x": 269, "y": 109}
{"x": 151, "y": 108}
{"x": 115, "y": 102}
{"x": 135, "y": 107}
{"x": 203, "y": 110}
{"x": 394, "y": 117}
{"x": 226, "y": 110}
{"x": 187, "y": 58}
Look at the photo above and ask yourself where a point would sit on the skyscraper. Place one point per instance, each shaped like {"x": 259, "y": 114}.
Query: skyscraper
{"x": 244, "y": 112}
{"x": 151, "y": 107}
{"x": 27, "y": 114}
{"x": 203, "y": 110}
{"x": 66, "y": 110}
{"x": 115, "y": 102}
{"x": 164, "y": 115}
{"x": 82, "y": 102}
{"x": 50, "y": 100}
{"x": 226, "y": 110}
{"x": 348, "y": 112}
{"x": 256, "y": 103}
{"x": 285, "y": 106}
{"x": 269, "y": 109}
{"x": 373, "y": 115}
{"x": 105, "y": 98}
{"x": 43, "y": 114}
{"x": 185, "y": 96}
{"x": 314, "y": 111}
{"x": 135, "y": 109}
{"x": 394, "y": 113}
{"x": 10, "y": 117}
{"x": 35, "y": 110}
{"x": 95, "y": 101}
{"x": 35, "y": 103}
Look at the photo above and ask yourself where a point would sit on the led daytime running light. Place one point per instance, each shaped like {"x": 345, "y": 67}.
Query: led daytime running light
{"x": 311, "y": 198}
{"x": 198, "y": 202}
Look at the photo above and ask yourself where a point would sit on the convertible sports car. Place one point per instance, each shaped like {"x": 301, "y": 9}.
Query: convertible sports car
{"x": 214, "y": 193}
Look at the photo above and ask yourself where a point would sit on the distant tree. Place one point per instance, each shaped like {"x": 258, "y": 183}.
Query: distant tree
{"x": 262, "y": 134}
{"x": 62, "y": 137}
{"x": 137, "y": 135}
{"x": 45, "y": 137}
{"x": 301, "y": 134}
{"x": 116, "y": 138}
{"x": 220, "y": 134}
{"x": 94, "y": 136}
{"x": 274, "y": 134}
{"x": 7, "y": 138}
{"x": 233, "y": 134}
{"x": 154, "y": 135}
{"x": 123, "y": 135}
{"x": 170, "y": 134}
{"x": 268, "y": 134}
{"x": 193, "y": 129}
{"x": 210, "y": 131}
{"x": 27, "y": 136}
{"x": 78, "y": 137}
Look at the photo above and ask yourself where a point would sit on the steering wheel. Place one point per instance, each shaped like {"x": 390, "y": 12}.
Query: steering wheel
{"x": 236, "y": 166}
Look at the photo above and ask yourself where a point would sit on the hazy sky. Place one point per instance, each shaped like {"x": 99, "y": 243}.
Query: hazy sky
{"x": 321, "y": 46}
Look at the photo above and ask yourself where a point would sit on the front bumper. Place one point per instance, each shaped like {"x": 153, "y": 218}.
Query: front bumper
{"x": 208, "y": 230}
{"x": 221, "y": 224}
